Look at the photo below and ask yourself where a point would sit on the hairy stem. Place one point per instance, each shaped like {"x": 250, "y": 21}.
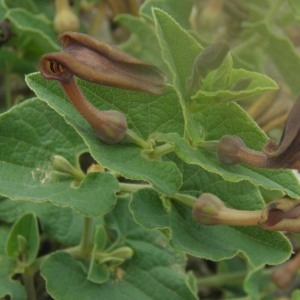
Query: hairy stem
{"x": 234, "y": 217}
{"x": 161, "y": 150}
{"x": 87, "y": 237}
{"x": 133, "y": 137}
{"x": 86, "y": 109}
{"x": 185, "y": 199}
{"x": 132, "y": 187}
{"x": 28, "y": 279}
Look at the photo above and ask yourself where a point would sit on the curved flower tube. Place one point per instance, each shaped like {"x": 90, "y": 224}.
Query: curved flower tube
{"x": 287, "y": 153}
{"x": 97, "y": 62}
{"x": 232, "y": 150}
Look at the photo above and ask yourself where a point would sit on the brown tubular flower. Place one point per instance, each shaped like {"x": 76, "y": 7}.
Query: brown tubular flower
{"x": 210, "y": 210}
{"x": 287, "y": 153}
{"x": 97, "y": 62}
{"x": 232, "y": 150}
{"x": 282, "y": 214}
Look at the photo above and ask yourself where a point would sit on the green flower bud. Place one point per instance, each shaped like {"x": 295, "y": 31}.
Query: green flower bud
{"x": 122, "y": 253}
{"x": 208, "y": 60}
{"x": 60, "y": 164}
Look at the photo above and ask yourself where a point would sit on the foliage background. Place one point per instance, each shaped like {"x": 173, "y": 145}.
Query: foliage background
{"x": 46, "y": 216}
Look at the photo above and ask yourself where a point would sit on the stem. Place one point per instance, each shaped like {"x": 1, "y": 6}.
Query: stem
{"x": 185, "y": 199}
{"x": 132, "y": 187}
{"x": 132, "y": 136}
{"x": 78, "y": 175}
{"x": 234, "y": 278}
{"x": 161, "y": 150}
{"x": 28, "y": 279}
{"x": 84, "y": 107}
{"x": 87, "y": 237}
{"x": 234, "y": 217}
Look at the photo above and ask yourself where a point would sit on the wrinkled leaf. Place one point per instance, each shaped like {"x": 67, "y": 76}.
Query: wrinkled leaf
{"x": 209, "y": 242}
{"x": 8, "y": 286}
{"x": 23, "y": 240}
{"x": 154, "y": 272}
{"x": 30, "y": 135}
{"x": 179, "y": 57}
{"x": 258, "y": 84}
{"x": 144, "y": 113}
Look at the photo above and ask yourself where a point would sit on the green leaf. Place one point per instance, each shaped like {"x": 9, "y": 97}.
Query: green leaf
{"x": 179, "y": 50}
{"x": 37, "y": 27}
{"x": 30, "y": 135}
{"x": 8, "y": 286}
{"x": 28, "y": 5}
{"x": 259, "y": 84}
{"x": 3, "y": 9}
{"x": 232, "y": 119}
{"x": 256, "y": 282}
{"x": 277, "y": 180}
{"x": 179, "y": 10}
{"x": 145, "y": 114}
{"x": 154, "y": 272}
{"x": 23, "y": 240}
{"x": 55, "y": 221}
{"x": 210, "y": 242}
{"x": 97, "y": 274}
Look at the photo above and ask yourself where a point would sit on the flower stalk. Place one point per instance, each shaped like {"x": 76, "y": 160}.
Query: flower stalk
{"x": 210, "y": 210}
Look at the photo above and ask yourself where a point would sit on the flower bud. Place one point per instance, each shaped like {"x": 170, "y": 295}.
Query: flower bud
{"x": 208, "y": 60}
{"x": 232, "y": 150}
{"x": 206, "y": 209}
{"x": 111, "y": 126}
{"x": 60, "y": 164}
{"x": 228, "y": 149}
{"x": 65, "y": 19}
{"x": 122, "y": 253}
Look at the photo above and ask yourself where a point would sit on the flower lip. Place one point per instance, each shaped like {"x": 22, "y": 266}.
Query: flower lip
{"x": 55, "y": 66}
{"x": 287, "y": 153}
